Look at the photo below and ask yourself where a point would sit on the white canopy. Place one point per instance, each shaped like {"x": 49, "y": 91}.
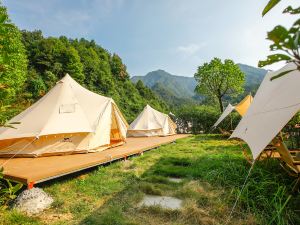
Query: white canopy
{"x": 66, "y": 111}
{"x": 225, "y": 113}
{"x": 241, "y": 108}
{"x": 151, "y": 122}
{"x": 275, "y": 103}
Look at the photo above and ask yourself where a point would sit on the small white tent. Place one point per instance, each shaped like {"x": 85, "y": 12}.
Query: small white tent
{"x": 151, "y": 122}
{"x": 226, "y": 112}
{"x": 275, "y": 103}
{"x": 68, "y": 119}
{"x": 241, "y": 108}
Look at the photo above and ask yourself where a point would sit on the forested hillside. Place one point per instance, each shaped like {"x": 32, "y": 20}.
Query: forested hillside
{"x": 32, "y": 64}
{"x": 254, "y": 77}
{"x": 90, "y": 64}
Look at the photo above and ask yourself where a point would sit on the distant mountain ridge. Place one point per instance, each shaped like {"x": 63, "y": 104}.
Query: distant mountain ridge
{"x": 179, "y": 86}
{"x": 254, "y": 76}
{"x": 174, "y": 88}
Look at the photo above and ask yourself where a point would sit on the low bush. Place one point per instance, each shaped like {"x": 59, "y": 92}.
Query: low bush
{"x": 200, "y": 119}
{"x": 8, "y": 190}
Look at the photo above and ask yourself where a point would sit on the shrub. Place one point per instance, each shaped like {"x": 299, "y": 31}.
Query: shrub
{"x": 199, "y": 119}
{"x": 7, "y": 190}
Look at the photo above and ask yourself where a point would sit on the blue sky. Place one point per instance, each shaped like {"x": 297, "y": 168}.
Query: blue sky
{"x": 174, "y": 35}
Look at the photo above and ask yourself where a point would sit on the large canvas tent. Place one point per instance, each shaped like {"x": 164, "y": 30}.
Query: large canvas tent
{"x": 241, "y": 108}
{"x": 151, "y": 122}
{"x": 68, "y": 119}
{"x": 275, "y": 103}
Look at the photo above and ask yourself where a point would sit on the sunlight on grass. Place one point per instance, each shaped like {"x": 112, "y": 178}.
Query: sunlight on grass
{"x": 212, "y": 170}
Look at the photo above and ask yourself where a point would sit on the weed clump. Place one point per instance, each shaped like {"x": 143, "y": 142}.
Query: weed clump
{"x": 150, "y": 189}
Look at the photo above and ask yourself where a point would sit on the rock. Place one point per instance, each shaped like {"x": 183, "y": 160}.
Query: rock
{"x": 163, "y": 201}
{"x": 175, "y": 180}
{"x": 33, "y": 201}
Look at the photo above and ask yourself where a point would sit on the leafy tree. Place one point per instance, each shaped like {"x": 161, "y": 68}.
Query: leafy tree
{"x": 13, "y": 62}
{"x": 217, "y": 80}
{"x": 151, "y": 98}
{"x": 118, "y": 69}
{"x": 285, "y": 41}
{"x": 144, "y": 91}
{"x": 72, "y": 64}
{"x": 13, "y": 66}
{"x": 90, "y": 64}
{"x": 46, "y": 54}
{"x": 35, "y": 84}
{"x": 49, "y": 79}
{"x": 96, "y": 66}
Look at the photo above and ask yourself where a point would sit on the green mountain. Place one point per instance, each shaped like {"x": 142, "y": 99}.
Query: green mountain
{"x": 179, "y": 86}
{"x": 177, "y": 90}
{"x": 254, "y": 77}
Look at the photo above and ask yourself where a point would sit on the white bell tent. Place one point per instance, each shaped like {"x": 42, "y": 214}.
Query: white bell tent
{"x": 68, "y": 119}
{"x": 151, "y": 122}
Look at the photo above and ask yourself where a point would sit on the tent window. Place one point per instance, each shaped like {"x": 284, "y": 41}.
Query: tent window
{"x": 67, "y": 108}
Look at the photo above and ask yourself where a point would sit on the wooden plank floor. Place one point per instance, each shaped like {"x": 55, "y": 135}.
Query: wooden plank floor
{"x": 36, "y": 170}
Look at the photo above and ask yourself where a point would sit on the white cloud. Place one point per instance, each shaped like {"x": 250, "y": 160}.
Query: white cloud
{"x": 191, "y": 49}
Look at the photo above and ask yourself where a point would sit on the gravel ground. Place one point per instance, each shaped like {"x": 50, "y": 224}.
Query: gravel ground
{"x": 33, "y": 201}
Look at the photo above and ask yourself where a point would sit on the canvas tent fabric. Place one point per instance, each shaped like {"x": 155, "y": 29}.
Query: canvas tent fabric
{"x": 274, "y": 104}
{"x": 151, "y": 122}
{"x": 226, "y": 112}
{"x": 68, "y": 119}
{"x": 241, "y": 108}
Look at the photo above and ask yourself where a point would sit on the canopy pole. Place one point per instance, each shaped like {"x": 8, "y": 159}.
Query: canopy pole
{"x": 231, "y": 127}
{"x": 239, "y": 195}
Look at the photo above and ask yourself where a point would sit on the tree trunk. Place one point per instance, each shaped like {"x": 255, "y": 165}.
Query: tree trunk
{"x": 220, "y": 104}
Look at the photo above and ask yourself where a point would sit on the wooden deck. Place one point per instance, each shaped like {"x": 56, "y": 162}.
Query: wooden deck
{"x": 35, "y": 170}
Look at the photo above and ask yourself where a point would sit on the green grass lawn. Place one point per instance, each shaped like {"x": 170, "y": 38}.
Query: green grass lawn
{"x": 213, "y": 170}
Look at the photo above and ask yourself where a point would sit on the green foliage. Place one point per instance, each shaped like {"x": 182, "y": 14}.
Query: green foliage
{"x": 286, "y": 41}
{"x": 8, "y": 190}
{"x": 35, "y": 84}
{"x": 283, "y": 40}
{"x": 217, "y": 80}
{"x": 271, "y": 4}
{"x": 118, "y": 69}
{"x": 91, "y": 65}
{"x": 292, "y": 10}
{"x": 179, "y": 90}
{"x": 13, "y": 62}
{"x": 72, "y": 64}
{"x": 151, "y": 97}
{"x": 291, "y": 133}
{"x": 199, "y": 118}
